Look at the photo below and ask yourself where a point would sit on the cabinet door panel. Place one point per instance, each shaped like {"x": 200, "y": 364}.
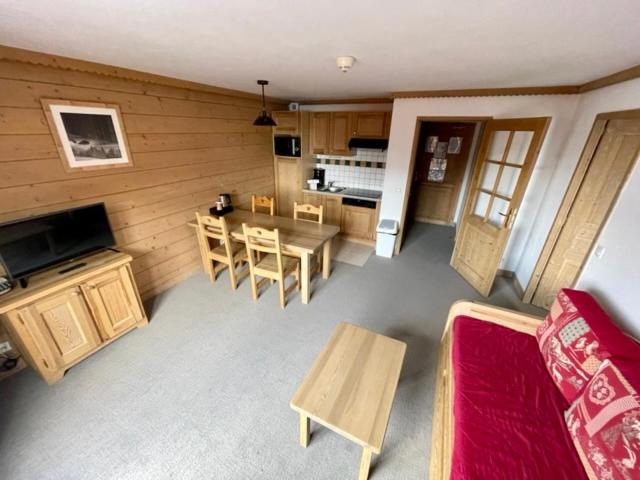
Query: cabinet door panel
{"x": 288, "y": 181}
{"x": 332, "y": 210}
{"x": 340, "y": 133}
{"x": 113, "y": 302}
{"x": 287, "y": 122}
{"x": 357, "y": 221}
{"x": 371, "y": 124}
{"x": 319, "y": 142}
{"x": 66, "y": 325}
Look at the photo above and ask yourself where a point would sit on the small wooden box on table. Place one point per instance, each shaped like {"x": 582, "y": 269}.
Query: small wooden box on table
{"x": 351, "y": 387}
{"x": 67, "y": 313}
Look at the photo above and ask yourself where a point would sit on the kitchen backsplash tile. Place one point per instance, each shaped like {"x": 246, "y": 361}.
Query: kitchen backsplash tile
{"x": 364, "y": 170}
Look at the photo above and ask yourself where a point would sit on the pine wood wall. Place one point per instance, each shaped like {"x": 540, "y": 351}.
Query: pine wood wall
{"x": 188, "y": 142}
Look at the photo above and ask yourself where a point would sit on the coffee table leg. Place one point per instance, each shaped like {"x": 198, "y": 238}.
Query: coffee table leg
{"x": 305, "y": 423}
{"x": 365, "y": 463}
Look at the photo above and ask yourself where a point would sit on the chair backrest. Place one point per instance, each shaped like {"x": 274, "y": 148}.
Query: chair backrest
{"x": 262, "y": 202}
{"x": 214, "y": 228}
{"x": 259, "y": 239}
{"x": 307, "y": 209}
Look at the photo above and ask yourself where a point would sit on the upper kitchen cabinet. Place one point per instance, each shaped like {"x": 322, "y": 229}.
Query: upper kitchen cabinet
{"x": 330, "y": 133}
{"x": 340, "y": 133}
{"x": 288, "y": 123}
{"x": 319, "y": 136}
{"x": 371, "y": 124}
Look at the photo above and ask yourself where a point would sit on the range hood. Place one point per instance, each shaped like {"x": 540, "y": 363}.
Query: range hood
{"x": 373, "y": 143}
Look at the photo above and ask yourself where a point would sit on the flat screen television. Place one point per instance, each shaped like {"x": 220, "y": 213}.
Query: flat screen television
{"x": 33, "y": 244}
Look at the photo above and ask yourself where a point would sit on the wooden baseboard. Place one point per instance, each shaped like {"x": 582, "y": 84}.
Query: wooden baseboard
{"x": 434, "y": 221}
{"x": 364, "y": 241}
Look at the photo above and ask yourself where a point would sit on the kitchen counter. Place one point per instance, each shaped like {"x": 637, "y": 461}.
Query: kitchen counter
{"x": 359, "y": 193}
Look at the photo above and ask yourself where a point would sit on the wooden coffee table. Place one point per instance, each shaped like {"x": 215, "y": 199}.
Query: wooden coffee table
{"x": 351, "y": 387}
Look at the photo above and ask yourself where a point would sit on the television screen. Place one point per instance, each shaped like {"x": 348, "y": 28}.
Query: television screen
{"x": 35, "y": 243}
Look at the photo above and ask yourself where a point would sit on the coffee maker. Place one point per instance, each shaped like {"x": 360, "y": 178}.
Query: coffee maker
{"x": 222, "y": 206}
{"x": 318, "y": 174}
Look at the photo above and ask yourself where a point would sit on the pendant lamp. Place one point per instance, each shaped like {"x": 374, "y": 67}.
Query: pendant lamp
{"x": 264, "y": 119}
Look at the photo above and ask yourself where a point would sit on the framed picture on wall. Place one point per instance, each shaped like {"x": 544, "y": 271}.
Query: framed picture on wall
{"x": 89, "y": 136}
{"x": 455, "y": 144}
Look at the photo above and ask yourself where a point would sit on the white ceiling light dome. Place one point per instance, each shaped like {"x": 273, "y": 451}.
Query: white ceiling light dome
{"x": 345, "y": 63}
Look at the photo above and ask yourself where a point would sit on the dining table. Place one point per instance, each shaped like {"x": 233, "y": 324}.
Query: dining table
{"x": 298, "y": 238}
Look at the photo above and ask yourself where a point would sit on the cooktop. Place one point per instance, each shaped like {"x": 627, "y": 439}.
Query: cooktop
{"x": 362, "y": 192}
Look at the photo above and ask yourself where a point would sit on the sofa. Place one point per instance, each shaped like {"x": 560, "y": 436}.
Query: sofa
{"x": 522, "y": 397}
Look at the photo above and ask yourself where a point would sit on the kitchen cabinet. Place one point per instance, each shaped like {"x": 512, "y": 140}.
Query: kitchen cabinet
{"x": 288, "y": 183}
{"x": 358, "y": 222}
{"x": 319, "y": 133}
{"x": 340, "y": 128}
{"x": 331, "y": 204}
{"x": 332, "y": 210}
{"x": 330, "y": 133}
{"x": 288, "y": 122}
{"x": 62, "y": 317}
{"x": 371, "y": 124}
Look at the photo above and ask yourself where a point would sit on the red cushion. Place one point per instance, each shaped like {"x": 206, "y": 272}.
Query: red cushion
{"x": 576, "y": 337}
{"x": 508, "y": 415}
{"x": 604, "y": 422}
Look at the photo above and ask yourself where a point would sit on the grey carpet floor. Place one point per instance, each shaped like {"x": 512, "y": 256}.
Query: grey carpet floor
{"x": 203, "y": 391}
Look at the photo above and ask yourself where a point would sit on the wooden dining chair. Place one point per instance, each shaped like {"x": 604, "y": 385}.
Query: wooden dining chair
{"x": 308, "y": 211}
{"x": 262, "y": 202}
{"x": 272, "y": 265}
{"x": 218, "y": 250}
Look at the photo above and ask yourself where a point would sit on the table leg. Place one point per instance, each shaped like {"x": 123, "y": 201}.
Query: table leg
{"x": 305, "y": 424}
{"x": 305, "y": 261}
{"x": 326, "y": 259}
{"x": 365, "y": 463}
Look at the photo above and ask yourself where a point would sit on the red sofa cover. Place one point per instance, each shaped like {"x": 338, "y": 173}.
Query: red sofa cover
{"x": 508, "y": 414}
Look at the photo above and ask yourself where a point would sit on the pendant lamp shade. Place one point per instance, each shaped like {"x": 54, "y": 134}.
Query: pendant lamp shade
{"x": 264, "y": 119}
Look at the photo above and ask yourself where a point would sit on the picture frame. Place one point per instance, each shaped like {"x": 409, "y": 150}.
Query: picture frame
{"x": 88, "y": 135}
{"x": 430, "y": 144}
{"x": 455, "y": 144}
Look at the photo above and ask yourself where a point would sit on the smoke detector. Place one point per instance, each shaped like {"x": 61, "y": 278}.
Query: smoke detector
{"x": 345, "y": 63}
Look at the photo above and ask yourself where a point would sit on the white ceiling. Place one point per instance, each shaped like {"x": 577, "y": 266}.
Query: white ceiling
{"x": 399, "y": 45}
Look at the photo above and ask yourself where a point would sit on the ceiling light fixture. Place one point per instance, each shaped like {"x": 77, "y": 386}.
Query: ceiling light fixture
{"x": 264, "y": 119}
{"x": 345, "y": 63}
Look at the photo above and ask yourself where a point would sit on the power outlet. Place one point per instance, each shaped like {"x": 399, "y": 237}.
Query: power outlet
{"x": 5, "y": 347}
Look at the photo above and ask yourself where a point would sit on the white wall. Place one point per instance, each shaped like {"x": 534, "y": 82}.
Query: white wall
{"x": 406, "y": 112}
{"x": 347, "y": 107}
{"x": 614, "y": 278}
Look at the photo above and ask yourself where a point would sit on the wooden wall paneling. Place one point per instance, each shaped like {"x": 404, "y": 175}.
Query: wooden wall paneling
{"x": 188, "y": 144}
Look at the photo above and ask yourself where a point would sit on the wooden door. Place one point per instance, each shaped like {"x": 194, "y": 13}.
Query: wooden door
{"x": 319, "y": 135}
{"x": 113, "y": 302}
{"x": 435, "y": 193}
{"x": 371, "y": 125}
{"x": 357, "y": 221}
{"x": 288, "y": 185}
{"x": 340, "y": 133}
{"x": 507, "y": 154}
{"x": 609, "y": 156}
{"x": 63, "y": 325}
{"x": 287, "y": 123}
{"x": 332, "y": 210}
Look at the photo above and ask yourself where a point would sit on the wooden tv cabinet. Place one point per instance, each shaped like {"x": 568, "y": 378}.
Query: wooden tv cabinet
{"x": 67, "y": 313}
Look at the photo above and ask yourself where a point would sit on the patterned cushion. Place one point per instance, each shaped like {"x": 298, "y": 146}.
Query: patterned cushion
{"x": 604, "y": 423}
{"x": 576, "y": 337}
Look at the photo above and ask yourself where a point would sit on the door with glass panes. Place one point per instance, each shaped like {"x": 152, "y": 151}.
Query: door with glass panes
{"x": 507, "y": 154}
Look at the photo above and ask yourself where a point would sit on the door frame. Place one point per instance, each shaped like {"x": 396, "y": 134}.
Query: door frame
{"x": 571, "y": 192}
{"x": 412, "y": 165}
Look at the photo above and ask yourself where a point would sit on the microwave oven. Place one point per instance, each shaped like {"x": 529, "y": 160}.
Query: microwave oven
{"x": 286, "y": 146}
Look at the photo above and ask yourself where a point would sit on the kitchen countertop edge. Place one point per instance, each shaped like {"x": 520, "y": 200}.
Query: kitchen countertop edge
{"x": 340, "y": 194}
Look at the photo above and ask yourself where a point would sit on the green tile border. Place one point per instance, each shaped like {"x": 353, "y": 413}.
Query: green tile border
{"x": 351, "y": 163}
